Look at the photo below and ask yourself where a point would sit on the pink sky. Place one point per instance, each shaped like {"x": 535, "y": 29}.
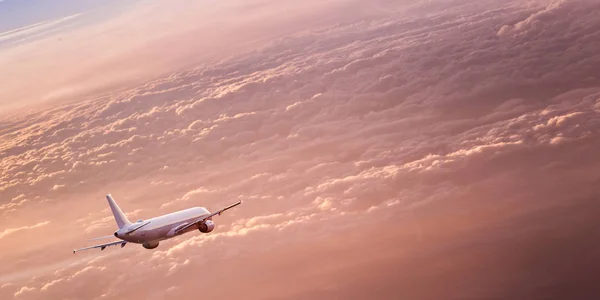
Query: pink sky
{"x": 384, "y": 150}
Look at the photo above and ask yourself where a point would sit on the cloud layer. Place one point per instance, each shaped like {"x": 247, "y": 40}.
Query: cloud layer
{"x": 394, "y": 150}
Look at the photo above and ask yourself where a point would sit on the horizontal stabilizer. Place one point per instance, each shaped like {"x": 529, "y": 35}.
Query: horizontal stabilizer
{"x": 102, "y": 237}
{"x": 132, "y": 230}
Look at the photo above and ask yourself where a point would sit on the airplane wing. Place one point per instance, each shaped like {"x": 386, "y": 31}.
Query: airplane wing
{"x": 102, "y": 246}
{"x": 207, "y": 217}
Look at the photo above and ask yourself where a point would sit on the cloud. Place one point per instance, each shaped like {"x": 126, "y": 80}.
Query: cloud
{"x": 10, "y": 231}
{"x": 24, "y": 290}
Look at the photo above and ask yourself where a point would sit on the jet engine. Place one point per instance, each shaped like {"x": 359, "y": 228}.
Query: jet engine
{"x": 207, "y": 226}
{"x": 150, "y": 245}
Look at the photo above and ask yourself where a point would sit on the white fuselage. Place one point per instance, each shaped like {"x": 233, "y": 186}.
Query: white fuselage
{"x": 162, "y": 227}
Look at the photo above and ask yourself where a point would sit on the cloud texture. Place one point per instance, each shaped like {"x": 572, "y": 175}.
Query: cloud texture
{"x": 418, "y": 150}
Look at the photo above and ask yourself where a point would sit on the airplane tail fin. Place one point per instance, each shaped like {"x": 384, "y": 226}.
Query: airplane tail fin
{"x": 119, "y": 215}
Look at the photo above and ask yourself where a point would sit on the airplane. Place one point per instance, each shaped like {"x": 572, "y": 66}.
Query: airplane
{"x": 150, "y": 232}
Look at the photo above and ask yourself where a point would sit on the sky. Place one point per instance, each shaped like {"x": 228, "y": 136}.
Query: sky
{"x": 434, "y": 149}
{"x": 20, "y": 13}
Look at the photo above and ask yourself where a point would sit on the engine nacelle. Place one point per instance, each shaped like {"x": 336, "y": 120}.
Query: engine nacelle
{"x": 207, "y": 226}
{"x": 150, "y": 245}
